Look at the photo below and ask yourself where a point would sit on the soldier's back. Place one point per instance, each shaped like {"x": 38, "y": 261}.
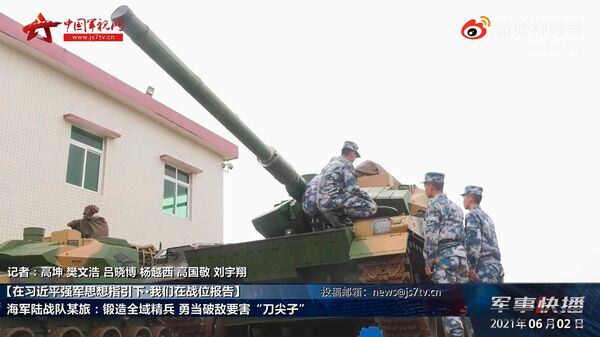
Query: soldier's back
{"x": 309, "y": 199}
{"x": 489, "y": 240}
{"x": 451, "y": 231}
{"x": 333, "y": 179}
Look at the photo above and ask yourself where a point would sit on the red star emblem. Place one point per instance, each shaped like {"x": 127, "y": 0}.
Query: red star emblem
{"x": 40, "y": 22}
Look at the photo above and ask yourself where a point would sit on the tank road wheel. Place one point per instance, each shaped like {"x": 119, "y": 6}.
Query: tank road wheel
{"x": 105, "y": 331}
{"x": 394, "y": 269}
{"x": 65, "y": 331}
{"x": 161, "y": 331}
{"x": 137, "y": 331}
{"x": 404, "y": 327}
{"x": 17, "y": 332}
{"x": 437, "y": 327}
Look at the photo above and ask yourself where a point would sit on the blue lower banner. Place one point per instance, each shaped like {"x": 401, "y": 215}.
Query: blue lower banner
{"x": 534, "y": 309}
{"x": 493, "y": 309}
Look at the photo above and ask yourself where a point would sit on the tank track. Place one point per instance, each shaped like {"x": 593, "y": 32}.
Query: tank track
{"x": 394, "y": 270}
{"x": 387, "y": 269}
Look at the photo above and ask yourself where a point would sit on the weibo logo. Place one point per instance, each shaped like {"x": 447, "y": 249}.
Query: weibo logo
{"x": 473, "y": 30}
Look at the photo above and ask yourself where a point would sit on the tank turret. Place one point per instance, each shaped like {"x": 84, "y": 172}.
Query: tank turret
{"x": 67, "y": 248}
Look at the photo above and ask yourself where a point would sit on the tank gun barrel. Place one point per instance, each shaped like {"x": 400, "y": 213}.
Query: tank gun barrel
{"x": 149, "y": 42}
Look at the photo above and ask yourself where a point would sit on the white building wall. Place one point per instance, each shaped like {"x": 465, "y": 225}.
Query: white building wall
{"x": 34, "y": 145}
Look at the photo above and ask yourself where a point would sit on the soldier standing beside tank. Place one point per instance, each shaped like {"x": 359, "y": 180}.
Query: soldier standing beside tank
{"x": 339, "y": 198}
{"x": 443, "y": 250}
{"x": 483, "y": 255}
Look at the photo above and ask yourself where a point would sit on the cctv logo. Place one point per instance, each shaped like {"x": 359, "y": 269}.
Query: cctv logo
{"x": 475, "y": 30}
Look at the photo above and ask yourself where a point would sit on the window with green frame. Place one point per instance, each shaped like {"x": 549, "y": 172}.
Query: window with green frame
{"x": 176, "y": 192}
{"x": 85, "y": 159}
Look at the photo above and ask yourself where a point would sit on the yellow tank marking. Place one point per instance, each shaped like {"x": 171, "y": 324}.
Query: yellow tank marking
{"x": 65, "y": 236}
{"x": 78, "y": 256}
{"x": 366, "y": 244}
{"x": 377, "y": 245}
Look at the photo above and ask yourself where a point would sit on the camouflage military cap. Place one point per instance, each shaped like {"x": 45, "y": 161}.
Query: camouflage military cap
{"x": 91, "y": 209}
{"x": 352, "y": 146}
{"x": 434, "y": 177}
{"x": 473, "y": 190}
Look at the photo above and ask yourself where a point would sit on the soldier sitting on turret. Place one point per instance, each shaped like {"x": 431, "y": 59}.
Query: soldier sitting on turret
{"x": 90, "y": 226}
{"x": 309, "y": 202}
{"x": 339, "y": 198}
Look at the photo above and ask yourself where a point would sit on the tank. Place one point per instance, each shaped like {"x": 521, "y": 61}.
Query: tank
{"x": 43, "y": 256}
{"x": 384, "y": 249}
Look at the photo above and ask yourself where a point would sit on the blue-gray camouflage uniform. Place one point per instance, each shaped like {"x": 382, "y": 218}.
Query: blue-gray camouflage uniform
{"x": 309, "y": 199}
{"x": 309, "y": 205}
{"x": 338, "y": 193}
{"x": 443, "y": 250}
{"x": 481, "y": 243}
{"x": 309, "y": 202}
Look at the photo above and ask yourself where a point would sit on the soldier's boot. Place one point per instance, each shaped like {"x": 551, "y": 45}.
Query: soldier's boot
{"x": 317, "y": 223}
{"x": 348, "y": 222}
{"x": 338, "y": 218}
